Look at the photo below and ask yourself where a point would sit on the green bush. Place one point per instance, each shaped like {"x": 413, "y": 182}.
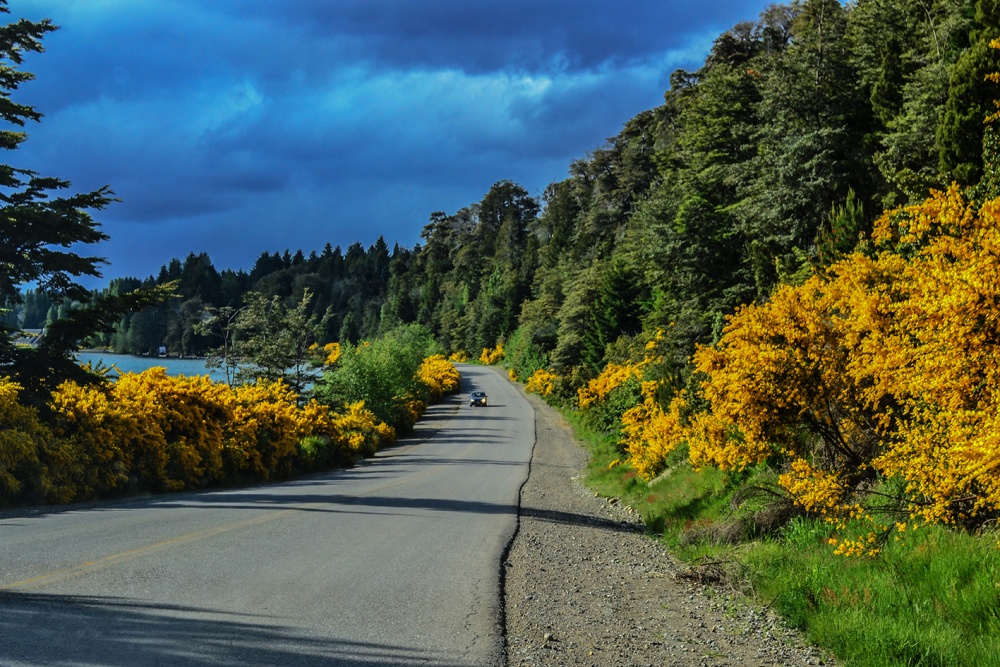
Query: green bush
{"x": 523, "y": 356}
{"x": 381, "y": 373}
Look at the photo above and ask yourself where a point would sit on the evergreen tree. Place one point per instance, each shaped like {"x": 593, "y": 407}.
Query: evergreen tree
{"x": 970, "y": 96}
{"x": 39, "y": 236}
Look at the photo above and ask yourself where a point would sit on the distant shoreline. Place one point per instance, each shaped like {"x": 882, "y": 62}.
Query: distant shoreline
{"x": 97, "y": 350}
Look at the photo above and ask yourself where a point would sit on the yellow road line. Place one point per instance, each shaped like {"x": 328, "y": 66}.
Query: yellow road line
{"x": 57, "y": 576}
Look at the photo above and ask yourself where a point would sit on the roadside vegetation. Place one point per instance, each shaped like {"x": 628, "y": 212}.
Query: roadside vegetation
{"x": 928, "y": 598}
{"x": 835, "y": 453}
{"x": 772, "y": 303}
{"x": 150, "y": 432}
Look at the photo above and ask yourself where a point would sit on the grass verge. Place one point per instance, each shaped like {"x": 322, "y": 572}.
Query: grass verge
{"x": 930, "y": 599}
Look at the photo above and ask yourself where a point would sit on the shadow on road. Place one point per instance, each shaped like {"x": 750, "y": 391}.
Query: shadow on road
{"x": 341, "y": 504}
{"x": 40, "y": 629}
{"x": 371, "y": 504}
{"x": 572, "y": 519}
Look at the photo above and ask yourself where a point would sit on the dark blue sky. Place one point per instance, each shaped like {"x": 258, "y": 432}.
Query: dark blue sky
{"x": 237, "y": 126}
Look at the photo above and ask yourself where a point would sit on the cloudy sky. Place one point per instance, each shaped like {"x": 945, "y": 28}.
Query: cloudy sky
{"x": 234, "y": 127}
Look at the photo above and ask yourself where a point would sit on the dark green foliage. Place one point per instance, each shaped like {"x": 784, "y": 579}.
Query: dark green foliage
{"x": 989, "y": 186}
{"x": 616, "y": 310}
{"x": 842, "y": 230}
{"x": 810, "y": 143}
{"x": 523, "y": 355}
{"x": 351, "y": 297}
{"x": 34, "y": 309}
{"x": 270, "y": 340}
{"x": 381, "y": 373}
{"x": 960, "y": 133}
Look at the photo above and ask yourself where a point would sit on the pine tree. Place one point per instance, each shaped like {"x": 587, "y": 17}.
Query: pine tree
{"x": 38, "y": 226}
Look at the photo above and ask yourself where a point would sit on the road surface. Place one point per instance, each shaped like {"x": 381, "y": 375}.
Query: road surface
{"x": 395, "y": 561}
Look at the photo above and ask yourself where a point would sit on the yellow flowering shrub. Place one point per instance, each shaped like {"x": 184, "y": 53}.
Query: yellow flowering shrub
{"x": 815, "y": 490}
{"x": 416, "y": 409}
{"x": 439, "y": 376}
{"x": 649, "y": 433}
{"x": 359, "y": 430}
{"x": 542, "y": 382}
{"x": 326, "y": 355}
{"x": 491, "y": 357}
{"x": 265, "y": 430}
{"x": 349, "y": 434}
{"x": 862, "y": 546}
{"x": 184, "y": 417}
{"x": 612, "y": 377}
{"x": 459, "y": 357}
{"x": 775, "y": 366}
{"x": 153, "y": 431}
{"x": 94, "y": 457}
{"x": 885, "y": 367}
{"x": 21, "y": 437}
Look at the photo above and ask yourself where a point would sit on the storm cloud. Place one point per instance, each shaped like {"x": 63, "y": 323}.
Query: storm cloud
{"x": 235, "y": 127}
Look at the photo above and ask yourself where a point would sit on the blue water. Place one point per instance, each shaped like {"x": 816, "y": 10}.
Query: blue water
{"x": 129, "y": 364}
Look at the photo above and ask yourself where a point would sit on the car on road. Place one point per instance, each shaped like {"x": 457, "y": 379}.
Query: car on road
{"x": 477, "y": 398}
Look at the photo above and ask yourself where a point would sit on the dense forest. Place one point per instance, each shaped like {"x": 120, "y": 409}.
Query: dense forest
{"x": 760, "y": 168}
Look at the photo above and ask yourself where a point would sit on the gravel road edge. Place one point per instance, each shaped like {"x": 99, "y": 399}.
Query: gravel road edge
{"x": 583, "y": 585}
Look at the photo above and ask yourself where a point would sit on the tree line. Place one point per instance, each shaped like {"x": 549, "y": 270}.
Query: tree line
{"x": 767, "y": 163}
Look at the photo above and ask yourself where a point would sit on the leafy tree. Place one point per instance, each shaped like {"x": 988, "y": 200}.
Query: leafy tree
{"x": 382, "y": 373}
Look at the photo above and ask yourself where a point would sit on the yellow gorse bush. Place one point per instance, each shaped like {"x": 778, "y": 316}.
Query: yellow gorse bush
{"x": 615, "y": 375}
{"x": 649, "y": 433}
{"x": 332, "y": 353}
{"x": 153, "y": 431}
{"x": 885, "y": 368}
{"x": 542, "y": 382}
{"x": 93, "y": 457}
{"x": 494, "y": 356}
{"x": 267, "y": 426}
{"x": 439, "y": 375}
{"x": 612, "y": 377}
{"x": 22, "y": 436}
{"x": 326, "y": 355}
{"x": 359, "y": 430}
{"x": 459, "y": 357}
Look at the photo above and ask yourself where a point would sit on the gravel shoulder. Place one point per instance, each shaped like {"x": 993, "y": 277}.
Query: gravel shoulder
{"x": 585, "y": 586}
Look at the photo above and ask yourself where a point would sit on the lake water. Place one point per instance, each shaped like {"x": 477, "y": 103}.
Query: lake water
{"x": 130, "y": 364}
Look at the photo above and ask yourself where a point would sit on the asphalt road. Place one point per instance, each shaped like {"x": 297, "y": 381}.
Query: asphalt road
{"x": 393, "y": 562}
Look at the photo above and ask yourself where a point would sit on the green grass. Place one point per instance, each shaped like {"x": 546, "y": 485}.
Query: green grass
{"x": 930, "y": 599}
